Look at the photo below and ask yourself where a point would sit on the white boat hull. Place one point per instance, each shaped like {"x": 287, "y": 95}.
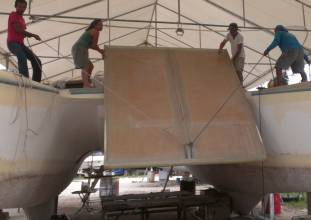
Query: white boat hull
{"x": 44, "y": 136}
{"x": 284, "y": 118}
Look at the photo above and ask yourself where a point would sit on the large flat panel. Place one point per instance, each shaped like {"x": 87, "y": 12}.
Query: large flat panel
{"x": 176, "y": 107}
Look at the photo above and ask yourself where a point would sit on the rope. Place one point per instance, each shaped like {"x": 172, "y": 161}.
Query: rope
{"x": 251, "y": 71}
{"x": 216, "y": 113}
{"x": 18, "y": 107}
{"x": 16, "y": 102}
{"x": 28, "y": 129}
{"x": 167, "y": 178}
{"x": 40, "y": 66}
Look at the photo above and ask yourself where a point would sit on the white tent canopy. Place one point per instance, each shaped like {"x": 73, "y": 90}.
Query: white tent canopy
{"x": 154, "y": 23}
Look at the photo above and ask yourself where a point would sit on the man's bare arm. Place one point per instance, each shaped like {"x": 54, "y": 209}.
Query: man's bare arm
{"x": 19, "y": 29}
{"x": 222, "y": 44}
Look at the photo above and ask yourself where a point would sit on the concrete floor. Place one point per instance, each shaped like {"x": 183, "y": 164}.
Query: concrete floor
{"x": 69, "y": 204}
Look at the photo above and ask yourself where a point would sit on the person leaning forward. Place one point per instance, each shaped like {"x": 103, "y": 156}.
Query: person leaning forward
{"x": 238, "y": 54}
{"x": 80, "y": 54}
{"x": 15, "y": 41}
{"x": 292, "y": 54}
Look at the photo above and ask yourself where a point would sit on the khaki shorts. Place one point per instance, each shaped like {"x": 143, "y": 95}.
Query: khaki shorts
{"x": 293, "y": 58}
{"x": 238, "y": 64}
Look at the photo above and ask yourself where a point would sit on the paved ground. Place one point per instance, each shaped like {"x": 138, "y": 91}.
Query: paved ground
{"x": 69, "y": 204}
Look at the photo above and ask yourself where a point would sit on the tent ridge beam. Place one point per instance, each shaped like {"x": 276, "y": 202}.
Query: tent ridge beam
{"x": 207, "y": 27}
{"x": 74, "y": 31}
{"x": 237, "y": 16}
{"x": 45, "y": 17}
{"x": 303, "y": 3}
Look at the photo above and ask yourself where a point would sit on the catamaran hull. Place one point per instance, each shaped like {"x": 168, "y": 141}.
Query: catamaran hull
{"x": 247, "y": 184}
{"x": 284, "y": 118}
{"x": 45, "y": 134}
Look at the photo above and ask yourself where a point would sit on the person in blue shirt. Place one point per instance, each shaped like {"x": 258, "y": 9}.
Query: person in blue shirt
{"x": 292, "y": 54}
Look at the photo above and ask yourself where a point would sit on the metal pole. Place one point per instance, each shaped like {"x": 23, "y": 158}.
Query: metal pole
{"x": 67, "y": 71}
{"x": 167, "y": 178}
{"x": 138, "y": 29}
{"x": 208, "y": 28}
{"x": 305, "y": 4}
{"x": 178, "y": 11}
{"x": 108, "y": 17}
{"x": 58, "y": 46}
{"x": 220, "y": 7}
{"x": 303, "y": 15}
{"x": 255, "y": 27}
{"x": 150, "y": 23}
{"x": 156, "y": 23}
{"x": 309, "y": 203}
{"x": 7, "y": 61}
{"x": 71, "y": 32}
{"x": 217, "y": 32}
{"x": 271, "y": 200}
{"x": 243, "y": 2}
{"x": 200, "y": 36}
{"x": 29, "y": 8}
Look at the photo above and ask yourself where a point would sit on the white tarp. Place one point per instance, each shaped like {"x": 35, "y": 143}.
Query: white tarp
{"x": 63, "y": 32}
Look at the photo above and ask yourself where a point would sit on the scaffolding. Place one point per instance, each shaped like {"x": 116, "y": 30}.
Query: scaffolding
{"x": 158, "y": 31}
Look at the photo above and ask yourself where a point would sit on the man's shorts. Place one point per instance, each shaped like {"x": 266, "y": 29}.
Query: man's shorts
{"x": 293, "y": 58}
{"x": 239, "y": 64}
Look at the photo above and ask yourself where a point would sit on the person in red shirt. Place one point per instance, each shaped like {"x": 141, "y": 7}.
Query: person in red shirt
{"x": 15, "y": 41}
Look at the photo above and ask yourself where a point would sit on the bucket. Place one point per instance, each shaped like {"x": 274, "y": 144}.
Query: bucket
{"x": 108, "y": 186}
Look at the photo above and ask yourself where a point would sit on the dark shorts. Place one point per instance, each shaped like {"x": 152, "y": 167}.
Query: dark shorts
{"x": 293, "y": 58}
{"x": 80, "y": 56}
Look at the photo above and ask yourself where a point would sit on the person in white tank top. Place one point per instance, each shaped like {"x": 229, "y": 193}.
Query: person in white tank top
{"x": 237, "y": 50}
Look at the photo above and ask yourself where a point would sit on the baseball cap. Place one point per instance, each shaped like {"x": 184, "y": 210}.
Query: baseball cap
{"x": 233, "y": 26}
{"x": 280, "y": 28}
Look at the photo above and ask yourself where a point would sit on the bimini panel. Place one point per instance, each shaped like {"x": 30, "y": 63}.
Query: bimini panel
{"x": 176, "y": 107}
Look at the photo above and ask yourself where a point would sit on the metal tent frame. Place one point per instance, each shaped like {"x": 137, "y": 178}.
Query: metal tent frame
{"x": 153, "y": 31}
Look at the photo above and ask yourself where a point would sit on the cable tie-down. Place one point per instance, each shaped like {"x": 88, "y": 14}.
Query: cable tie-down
{"x": 188, "y": 150}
